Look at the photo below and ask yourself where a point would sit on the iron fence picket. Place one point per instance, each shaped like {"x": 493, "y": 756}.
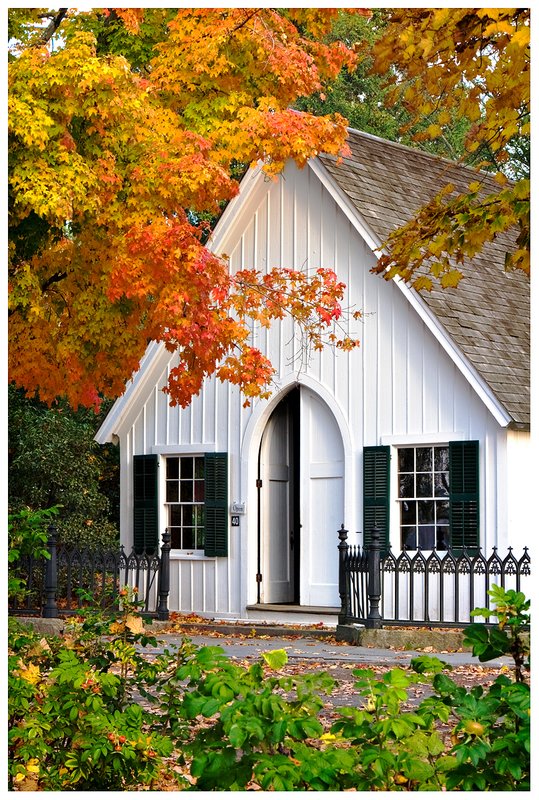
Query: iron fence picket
{"x": 438, "y": 589}
{"x": 100, "y": 573}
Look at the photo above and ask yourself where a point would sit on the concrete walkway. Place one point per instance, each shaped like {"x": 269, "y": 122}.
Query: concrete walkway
{"x": 314, "y": 649}
{"x": 243, "y": 643}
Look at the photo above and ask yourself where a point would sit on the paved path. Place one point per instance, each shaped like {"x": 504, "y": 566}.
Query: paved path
{"x": 317, "y": 650}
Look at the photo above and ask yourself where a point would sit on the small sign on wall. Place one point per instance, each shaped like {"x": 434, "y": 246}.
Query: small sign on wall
{"x": 235, "y": 521}
{"x": 237, "y": 508}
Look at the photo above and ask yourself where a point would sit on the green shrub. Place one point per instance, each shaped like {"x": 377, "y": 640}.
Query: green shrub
{"x": 27, "y": 536}
{"x": 90, "y": 711}
{"x": 492, "y": 734}
{"x": 72, "y": 724}
{"x": 509, "y": 637}
{"x": 54, "y": 460}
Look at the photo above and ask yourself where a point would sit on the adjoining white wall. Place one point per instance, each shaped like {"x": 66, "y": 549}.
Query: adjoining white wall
{"x": 521, "y": 472}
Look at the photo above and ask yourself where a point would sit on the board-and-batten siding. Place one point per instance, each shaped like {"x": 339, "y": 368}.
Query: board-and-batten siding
{"x": 399, "y": 383}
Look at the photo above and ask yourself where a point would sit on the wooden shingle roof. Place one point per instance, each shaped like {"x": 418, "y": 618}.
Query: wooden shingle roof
{"x": 488, "y": 315}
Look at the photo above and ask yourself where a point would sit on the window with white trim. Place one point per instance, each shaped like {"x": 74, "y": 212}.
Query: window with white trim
{"x": 423, "y": 480}
{"x": 185, "y": 494}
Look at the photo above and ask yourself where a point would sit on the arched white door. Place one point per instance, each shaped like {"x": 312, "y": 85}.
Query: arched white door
{"x": 301, "y": 502}
{"x": 277, "y": 499}
{"x": 322, "y": 501}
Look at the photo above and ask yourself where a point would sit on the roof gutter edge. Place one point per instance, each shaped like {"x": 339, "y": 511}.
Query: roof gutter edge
{"x": 112, "y": 424}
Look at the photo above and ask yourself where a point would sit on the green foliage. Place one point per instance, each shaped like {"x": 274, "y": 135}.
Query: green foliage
{"x": 361, "y": 95}
{"x": 72, "y": 724}
{"x": 511, "y": 611}
{"x": 395, "y": 749}
{"x": 27, "y": 536}
{"x": 255, "y": 718}
{"x": 492, "y": 736}
{"x": 54, "y": 461}
{"x": 358, "y": 94}
{"x": 76, "y": 721}
{"x": 23, "y": 23}
{"x": 113, "y": 37}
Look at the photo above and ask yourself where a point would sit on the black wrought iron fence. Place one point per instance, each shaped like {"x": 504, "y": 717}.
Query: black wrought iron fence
{"x": 73, "y": 577}
{"x": 421, "y": 588}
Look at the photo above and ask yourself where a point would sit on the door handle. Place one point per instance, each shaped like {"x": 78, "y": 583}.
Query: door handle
{"x": 291, "y": 540}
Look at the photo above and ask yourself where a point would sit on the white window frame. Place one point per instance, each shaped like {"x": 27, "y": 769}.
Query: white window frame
{"x": 179, "y": 453}
{"x": 437, "y": 439}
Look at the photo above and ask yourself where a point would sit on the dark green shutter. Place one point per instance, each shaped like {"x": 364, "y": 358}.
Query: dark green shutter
{"x": 216, "y": 504}
{"x": 464, "y": 495}
{"x": 145, "y": 533}
{"x": 376, "y": 493}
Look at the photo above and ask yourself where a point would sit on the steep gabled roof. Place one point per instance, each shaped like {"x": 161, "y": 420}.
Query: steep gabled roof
{"x": 483, "y": 324}
{"x": 488, "y": 315}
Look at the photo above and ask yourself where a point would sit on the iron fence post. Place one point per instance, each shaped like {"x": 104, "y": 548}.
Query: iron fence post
{"x": 343, "y": 578}
{"x": 50, "y": 609}
{"x": 374, "y": 620}
{"x": 164, "y": 577}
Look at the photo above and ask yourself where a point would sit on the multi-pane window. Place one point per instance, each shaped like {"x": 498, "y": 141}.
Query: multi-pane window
{"x": 185, "y": 500}
{"x": 424, "y": 498}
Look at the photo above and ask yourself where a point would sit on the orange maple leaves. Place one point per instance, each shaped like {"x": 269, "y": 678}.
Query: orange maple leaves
{"x": 111, "y": 169}
{"x": 232, "y": 74}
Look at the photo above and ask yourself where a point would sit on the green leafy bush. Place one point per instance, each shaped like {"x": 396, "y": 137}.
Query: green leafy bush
{"x": 509, "y": 637}
{"x": 91, "y": 711}
{"x": 27, "y": 536}
{"x": 492, "y": 735}
{"x": 54, "y": 460}
{"x": 72, "y": 724}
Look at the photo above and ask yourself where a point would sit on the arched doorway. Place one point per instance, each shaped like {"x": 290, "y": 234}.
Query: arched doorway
{"x": 300, "y": 502}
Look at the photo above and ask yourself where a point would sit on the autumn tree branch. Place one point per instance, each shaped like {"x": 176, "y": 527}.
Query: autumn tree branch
{"x": 56, "y": 278}
{"x": 52, "y": 27}
{"x": 45, "y": 285}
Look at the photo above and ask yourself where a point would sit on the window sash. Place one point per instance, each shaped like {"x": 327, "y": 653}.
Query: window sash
{"x": 198, "y": 486}
{"x": 438, "y": 495}
{"x": 184, "y": 497}
{"x": 423, "y": 489}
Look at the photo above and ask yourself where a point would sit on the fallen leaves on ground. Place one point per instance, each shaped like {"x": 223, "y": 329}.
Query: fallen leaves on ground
{"x": 195, "y": 625}
{"x": 343, "y": 694}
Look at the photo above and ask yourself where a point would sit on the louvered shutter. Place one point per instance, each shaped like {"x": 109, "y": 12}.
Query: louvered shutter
{"x": 464, "y": 495}
{"x": 145, "y": 532}
{"x": 376, "y": 493}
{"x": 216, "y": 504}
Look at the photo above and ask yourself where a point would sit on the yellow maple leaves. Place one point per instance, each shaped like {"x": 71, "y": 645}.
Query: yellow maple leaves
{"x": 451, "y": 278}
{"x": 30, "y": 673}
{"x": 116, "y": 166}
{"x": 27, "y": 778}
{"x": 131, "y": 623}
{"x": 461, "y": 56}
{"x": 473, "y": 65}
